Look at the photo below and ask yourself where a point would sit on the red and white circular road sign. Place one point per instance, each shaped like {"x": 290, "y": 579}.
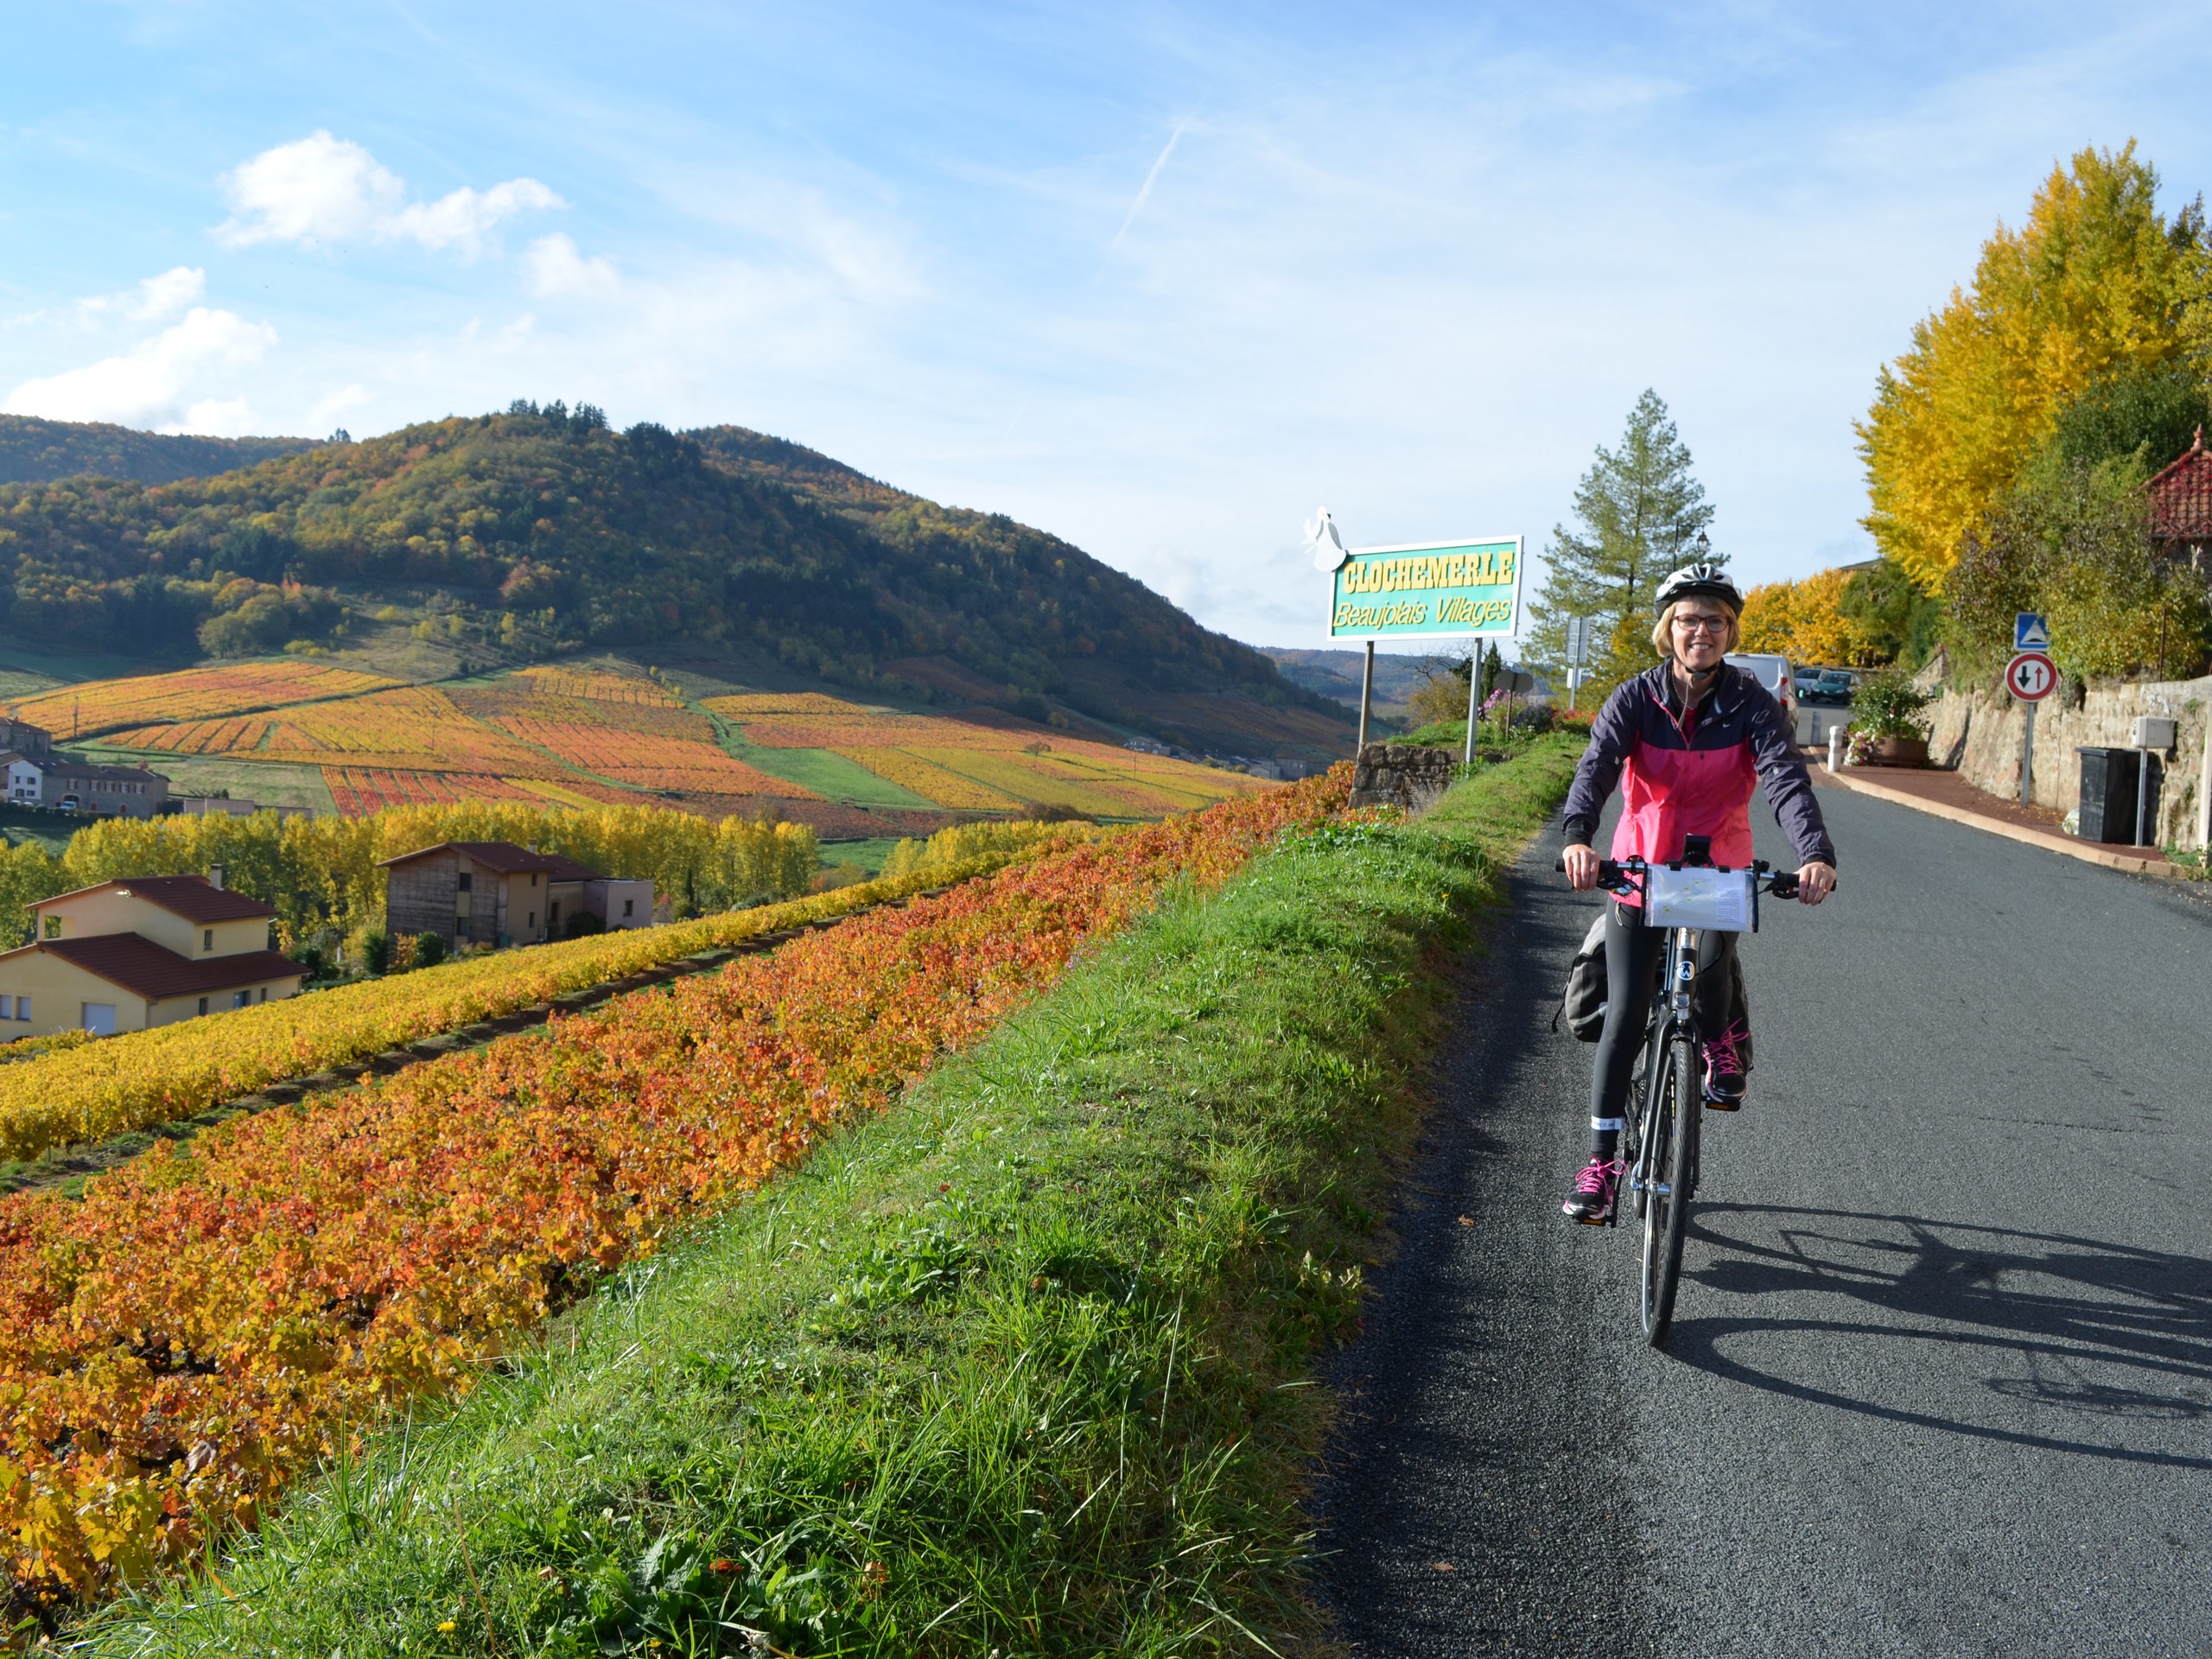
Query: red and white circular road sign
{"x": 2031, "y": 676}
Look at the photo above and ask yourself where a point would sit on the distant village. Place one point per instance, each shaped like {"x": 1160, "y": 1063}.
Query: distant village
{"x": 38, "y": 777}
{"x": 149, "y": 950}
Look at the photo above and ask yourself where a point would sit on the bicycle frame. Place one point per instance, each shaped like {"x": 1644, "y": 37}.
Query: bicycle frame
{"x": 1673, "y": 1014}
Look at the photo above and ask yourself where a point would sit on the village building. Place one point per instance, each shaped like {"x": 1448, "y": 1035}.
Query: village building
{"x": 62, "y": 785}
{"x": 139, "y": 952}
{"x": 227, "y": 806}
{"x": 2181, "y": 509}
{"x": 495, "y": 892}
{"x": 21, "y": 737}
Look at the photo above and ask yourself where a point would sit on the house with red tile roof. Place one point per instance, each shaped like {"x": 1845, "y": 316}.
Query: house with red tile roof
{"x": 142, "y": 952}
{"x": 497, "y": 893}
{"x": 2180, "y": 509}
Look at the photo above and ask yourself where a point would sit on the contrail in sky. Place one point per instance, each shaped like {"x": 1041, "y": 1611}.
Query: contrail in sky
{"x": 1152, "y": 178}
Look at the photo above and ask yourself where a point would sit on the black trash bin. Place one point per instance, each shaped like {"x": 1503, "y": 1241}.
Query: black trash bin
{"x": 2107, "y": 810}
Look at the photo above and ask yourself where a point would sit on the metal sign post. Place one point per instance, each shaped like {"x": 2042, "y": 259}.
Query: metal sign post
{"x": 1366, "y": 695}
{"x": 2029, "y": 677}
{"x": 1474, "y": 691}
{"x": 1577, "y": 653}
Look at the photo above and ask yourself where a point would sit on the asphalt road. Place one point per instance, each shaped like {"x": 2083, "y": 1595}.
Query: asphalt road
{"x": 1940, "y": 1381}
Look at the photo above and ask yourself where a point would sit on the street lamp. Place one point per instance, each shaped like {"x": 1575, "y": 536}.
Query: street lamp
{"x": 1703, "y": 546}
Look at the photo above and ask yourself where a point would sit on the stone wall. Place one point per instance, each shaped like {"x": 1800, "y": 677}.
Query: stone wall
{"x": 1410, "y": 775}
{"x": 1977, "y": 732}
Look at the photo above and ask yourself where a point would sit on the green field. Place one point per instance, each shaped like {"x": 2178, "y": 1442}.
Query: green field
{"x": 868, "y": 855}
{"x": 828, "y": 774}
{"x": 269, "y": 784}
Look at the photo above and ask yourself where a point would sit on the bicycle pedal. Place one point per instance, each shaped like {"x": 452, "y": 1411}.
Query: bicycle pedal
{"x": 1715, "y": 1103}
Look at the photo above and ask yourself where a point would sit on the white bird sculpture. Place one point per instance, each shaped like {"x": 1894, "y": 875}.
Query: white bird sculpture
{"x": 1323, "y": 542}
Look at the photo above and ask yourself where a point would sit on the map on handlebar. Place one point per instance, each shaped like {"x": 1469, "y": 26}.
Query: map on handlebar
{"x": 1629, "y": 879}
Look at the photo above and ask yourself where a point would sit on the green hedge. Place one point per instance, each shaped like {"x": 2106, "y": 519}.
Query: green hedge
{"x": 1024, "y": 1364}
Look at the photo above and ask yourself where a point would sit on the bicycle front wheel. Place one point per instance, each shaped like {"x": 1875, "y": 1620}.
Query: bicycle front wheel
{"x": 1671, "y": 1119}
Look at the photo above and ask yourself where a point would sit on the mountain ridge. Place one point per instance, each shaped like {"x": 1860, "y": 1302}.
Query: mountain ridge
{"x": 537, "y": 533}
{"x": 35, "y": 450}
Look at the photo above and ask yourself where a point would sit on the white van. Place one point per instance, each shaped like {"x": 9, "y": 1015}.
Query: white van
{"x": 1772, "y": 673}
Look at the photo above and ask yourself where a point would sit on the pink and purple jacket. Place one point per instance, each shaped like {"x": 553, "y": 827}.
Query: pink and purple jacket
{"x": 1692, "y": 774}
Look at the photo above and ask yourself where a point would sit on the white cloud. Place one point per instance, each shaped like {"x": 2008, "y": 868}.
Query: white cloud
{"x": 323, "y": 189}
{"x": 149, "y": 385}
{"x": 325, "y": 414}
{"x": 219, "y": 417}
{"x": 154, "y": 299}
{"x": 464, "y": 216}
{"x": 558, "y": 269}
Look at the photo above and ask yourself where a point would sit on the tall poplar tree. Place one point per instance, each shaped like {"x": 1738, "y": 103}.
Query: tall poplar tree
{"x": 1638, "y": 512}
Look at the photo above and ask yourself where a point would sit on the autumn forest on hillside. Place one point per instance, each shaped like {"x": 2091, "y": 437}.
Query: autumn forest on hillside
{"x": 538, "y": 532}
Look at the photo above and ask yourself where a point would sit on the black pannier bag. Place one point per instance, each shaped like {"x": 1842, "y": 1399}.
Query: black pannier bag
{"x": 1582, "y": 1005}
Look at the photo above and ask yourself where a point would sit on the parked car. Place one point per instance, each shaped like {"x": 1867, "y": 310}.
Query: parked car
{"x": 1808, "y": 683}
{"x": 1772, "y": 673}
{"x": 1838, "y": 684}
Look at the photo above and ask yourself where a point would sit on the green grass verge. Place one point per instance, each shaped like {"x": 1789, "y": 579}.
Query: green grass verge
{"x": 1024, "y": 1365}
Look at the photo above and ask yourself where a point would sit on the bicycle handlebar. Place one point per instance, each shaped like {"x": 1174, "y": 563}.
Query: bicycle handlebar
{"x": 1616, "y": 877}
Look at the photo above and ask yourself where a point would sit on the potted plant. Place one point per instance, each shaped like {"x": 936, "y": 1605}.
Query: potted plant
{"x": 1886, "y": 729}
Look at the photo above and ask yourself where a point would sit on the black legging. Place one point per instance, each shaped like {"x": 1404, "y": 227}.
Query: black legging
{"x": 1632, "y": 954}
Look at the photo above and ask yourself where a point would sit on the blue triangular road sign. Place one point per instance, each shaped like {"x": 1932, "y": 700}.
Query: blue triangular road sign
{"x": 2030, "y": 632}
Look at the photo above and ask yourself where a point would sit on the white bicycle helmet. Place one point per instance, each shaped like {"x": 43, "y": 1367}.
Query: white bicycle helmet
{"x": 1699, "y": 582}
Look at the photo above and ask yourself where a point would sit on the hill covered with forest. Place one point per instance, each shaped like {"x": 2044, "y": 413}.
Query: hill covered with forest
{"x": 537, "y": 533}
{"x": 34, "y": 450}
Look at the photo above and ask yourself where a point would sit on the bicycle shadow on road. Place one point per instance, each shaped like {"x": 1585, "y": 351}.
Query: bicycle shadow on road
{"x": 2059, "y": 1308}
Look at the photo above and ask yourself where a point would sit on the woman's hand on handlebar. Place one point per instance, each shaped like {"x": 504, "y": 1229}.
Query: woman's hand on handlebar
{"x": 1581, "y": 865}
{"x": 1814, "y": 882}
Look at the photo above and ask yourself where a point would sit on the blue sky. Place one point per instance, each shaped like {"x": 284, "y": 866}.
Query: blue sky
{"x": 1158, "y": 279}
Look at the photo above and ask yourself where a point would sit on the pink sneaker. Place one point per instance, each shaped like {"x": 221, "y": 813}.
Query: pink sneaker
{"x": 1726, "y": 1080}
{"x": 1597, "y": 1186}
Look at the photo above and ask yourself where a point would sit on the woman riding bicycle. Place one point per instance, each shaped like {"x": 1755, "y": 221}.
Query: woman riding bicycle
{"x": 1686, "y": 740}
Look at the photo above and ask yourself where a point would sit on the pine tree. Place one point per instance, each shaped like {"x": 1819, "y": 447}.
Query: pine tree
{"x": 1640, "y": 513}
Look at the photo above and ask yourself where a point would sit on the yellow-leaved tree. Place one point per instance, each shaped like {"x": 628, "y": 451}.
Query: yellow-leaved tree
{"x": 322, "y": 873}
{"x": 1804, "y": 620}
{"x": 2096, "y": 281}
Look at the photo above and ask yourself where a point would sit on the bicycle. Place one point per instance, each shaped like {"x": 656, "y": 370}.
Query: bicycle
{"x": 1660, "y": 1135}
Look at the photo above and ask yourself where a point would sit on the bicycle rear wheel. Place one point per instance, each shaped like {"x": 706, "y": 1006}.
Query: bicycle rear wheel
{"x": 1670, "y": 1118}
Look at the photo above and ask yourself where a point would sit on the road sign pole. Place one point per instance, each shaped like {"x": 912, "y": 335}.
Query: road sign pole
{"x": 2028, "y": 758}
{"x": 2142, "y": 793}
{"x": 1366, "y": 697}
{"x": 1474, "y": 690}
